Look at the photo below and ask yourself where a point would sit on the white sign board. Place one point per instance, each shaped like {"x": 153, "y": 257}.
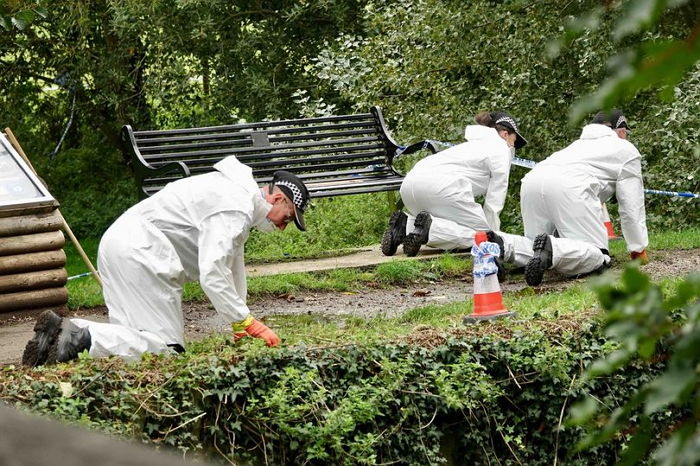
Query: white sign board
{"x": 19, "y": 187}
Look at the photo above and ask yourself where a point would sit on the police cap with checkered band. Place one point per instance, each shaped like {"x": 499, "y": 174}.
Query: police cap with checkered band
{"x": 296, "y": 191}
{"x": 614, "y": 118}
{"x": 504, "y": 119}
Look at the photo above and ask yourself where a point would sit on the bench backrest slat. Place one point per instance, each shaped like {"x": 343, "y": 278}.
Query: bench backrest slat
{"x": 345, "y": 145}
{"x": 262, "y": 124}
{"x": 367, "y": 127}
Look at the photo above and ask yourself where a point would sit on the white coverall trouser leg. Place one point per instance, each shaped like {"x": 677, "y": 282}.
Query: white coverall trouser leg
{"x": 455, "y": 214}
{"x": 569, "y": 205}
{"x": 142, "y": 277}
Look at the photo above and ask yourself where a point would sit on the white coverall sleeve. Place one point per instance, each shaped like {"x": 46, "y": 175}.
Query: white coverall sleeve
{"x": 630, "y": 195}
{"x": 497, "y": 189}
{"x": 221, "y": 269}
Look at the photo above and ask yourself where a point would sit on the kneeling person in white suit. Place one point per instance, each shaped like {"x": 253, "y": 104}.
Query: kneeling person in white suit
{"x": 565, "y": 192}
{"x": 194, "y": 229}
{"x": 439, "y": 190}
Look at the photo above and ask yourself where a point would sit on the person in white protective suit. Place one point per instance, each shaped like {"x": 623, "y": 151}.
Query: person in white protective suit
{"x": 565, "y": 194}
{"x": 439, "y": 190}
{"x": 193, "y": 229}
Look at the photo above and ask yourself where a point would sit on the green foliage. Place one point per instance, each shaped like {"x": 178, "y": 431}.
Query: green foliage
{"x": 467, "y": 400}
{"x": 498, "y": 58}
{"x": 644, "y": 324}
{"x": 645, "y": 57}
{"x": 20, "y": 14}
{"x": 170, "y": 63}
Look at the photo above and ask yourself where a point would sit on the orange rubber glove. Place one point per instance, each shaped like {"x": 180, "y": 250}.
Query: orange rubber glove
{"x": 255, "y": 328}
{"x": 642, "y": 256}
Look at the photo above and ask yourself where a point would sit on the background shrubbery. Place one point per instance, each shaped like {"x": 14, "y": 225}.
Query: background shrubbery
{"x": 431, "y": 65}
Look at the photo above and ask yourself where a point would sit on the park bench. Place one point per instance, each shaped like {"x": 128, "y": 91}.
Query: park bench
{"x": 334, "y": 155}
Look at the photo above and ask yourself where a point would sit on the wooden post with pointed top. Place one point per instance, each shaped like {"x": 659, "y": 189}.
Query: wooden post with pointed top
{"x": 65, "y": 227}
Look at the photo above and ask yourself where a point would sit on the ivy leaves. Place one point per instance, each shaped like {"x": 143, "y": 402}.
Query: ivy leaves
{"x": 648, "y": 326}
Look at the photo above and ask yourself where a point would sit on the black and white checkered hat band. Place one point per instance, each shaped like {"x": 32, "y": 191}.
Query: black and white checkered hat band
{"x": 620, "y": 121}
{"x": 508, "y": 120}
{"x": 298, "y": 199}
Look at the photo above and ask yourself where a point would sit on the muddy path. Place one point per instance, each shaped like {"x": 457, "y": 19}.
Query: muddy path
{"x": 202, "y": 320}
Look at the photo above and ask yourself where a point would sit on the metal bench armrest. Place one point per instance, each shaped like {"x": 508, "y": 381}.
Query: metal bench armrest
{"x": 142, "y": 169}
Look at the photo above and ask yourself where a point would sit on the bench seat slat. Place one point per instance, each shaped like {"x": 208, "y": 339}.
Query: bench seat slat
{"x": 362, "y": 159}
{"x": 312, "y": 177}
{"x": 339, "y": 190}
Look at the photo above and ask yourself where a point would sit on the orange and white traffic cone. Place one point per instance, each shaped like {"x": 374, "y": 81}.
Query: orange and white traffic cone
{"x": 488, "y": 301}
{"x": 608, "y": 224}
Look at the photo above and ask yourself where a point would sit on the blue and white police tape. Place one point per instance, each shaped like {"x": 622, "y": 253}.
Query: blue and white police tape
{"x": 531, "y": 164}
{"x": 80, "y": 275}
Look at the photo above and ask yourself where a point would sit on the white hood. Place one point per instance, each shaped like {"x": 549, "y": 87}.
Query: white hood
{"x": 595, "y": 131}
{"x": 243, "y": 176}
{"x": 480, "y": 132}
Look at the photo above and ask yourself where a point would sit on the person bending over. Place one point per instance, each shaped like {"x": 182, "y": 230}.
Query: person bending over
{"x": 439, "y": 190}
{"x": 565, "y": 194}
{"x": 194, "y": 229}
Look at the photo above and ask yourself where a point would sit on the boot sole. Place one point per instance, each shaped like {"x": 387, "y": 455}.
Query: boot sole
{"x": 535, "y": 268}
{"x": 534, "y": 271}
{"x": 46, "y": 331}
{"x": 389, "y": 243}
{"x": 413, "y": 241}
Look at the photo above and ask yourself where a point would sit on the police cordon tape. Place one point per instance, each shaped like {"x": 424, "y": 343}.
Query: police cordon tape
{"x": 80, "y": 275}
{"x": 531, "y": 164}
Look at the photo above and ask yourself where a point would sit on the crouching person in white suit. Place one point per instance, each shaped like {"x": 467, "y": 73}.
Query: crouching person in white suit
{"x": 193, "y": 229}
{"x": 439, "y": 190}
{"x": 563, "y": 194}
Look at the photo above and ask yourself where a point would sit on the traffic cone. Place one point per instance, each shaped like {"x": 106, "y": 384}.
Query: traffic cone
{"x": 608, "y": 224}
{"x": 488, "y": 301}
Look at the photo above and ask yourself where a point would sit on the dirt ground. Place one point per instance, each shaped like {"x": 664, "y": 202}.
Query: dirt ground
{"x": 201, "y": 319}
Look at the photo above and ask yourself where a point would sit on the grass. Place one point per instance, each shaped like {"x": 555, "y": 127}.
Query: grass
{"x": 562, "y": 309}
{"x": 85, "y": 292}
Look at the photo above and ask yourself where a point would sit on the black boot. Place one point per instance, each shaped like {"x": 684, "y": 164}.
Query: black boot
{"x": 419, "y": 236}
{"x": 493, "y": 237}
{"x": 395, "y": 234}
{"x": 542, "y": 260}
{"x": 55, "y": 340}
{"x": 72, "y": 341}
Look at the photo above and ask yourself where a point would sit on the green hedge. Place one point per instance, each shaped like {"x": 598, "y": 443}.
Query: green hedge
{"x": 470, "y": 397}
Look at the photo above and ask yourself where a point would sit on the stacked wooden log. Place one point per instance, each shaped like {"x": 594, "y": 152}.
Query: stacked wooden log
{"x": 32, "y": 262}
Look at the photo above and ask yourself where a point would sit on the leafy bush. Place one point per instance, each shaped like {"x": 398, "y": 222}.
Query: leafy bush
{"x": 469, "y": 397}
{"x": 648, "y": 326}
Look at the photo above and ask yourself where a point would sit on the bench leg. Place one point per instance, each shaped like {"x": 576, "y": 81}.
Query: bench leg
{"x": 395, "y": 202}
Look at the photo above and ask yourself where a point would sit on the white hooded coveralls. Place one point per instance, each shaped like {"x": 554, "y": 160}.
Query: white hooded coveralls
{"x": 564, "y": 194}
{"x": 445, "y": 185}
{"x": 193, "y": 229}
